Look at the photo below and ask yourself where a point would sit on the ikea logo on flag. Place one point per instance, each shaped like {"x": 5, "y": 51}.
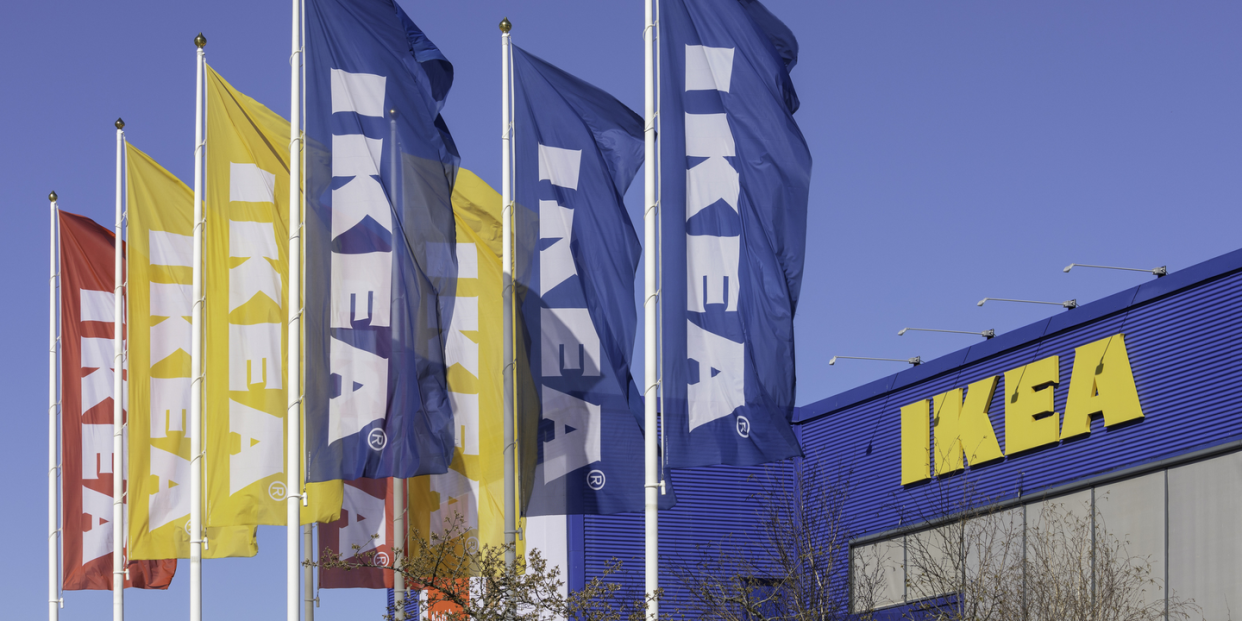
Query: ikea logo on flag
{"x": 712, "y": 257}
{"x": 1101, "y": 386}
{"x": 569, "y": 346}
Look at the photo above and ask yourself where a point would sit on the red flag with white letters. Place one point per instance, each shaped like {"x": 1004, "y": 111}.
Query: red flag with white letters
{"x": 366, "y": 522}
{"x": 86, "y": 374}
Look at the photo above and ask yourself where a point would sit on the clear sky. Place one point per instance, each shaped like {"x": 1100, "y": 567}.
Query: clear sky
{"x": 961, "y": 149}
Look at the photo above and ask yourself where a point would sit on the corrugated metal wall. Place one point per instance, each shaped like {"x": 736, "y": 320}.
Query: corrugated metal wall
{"x": 712, "y": 504}
{"x": 1184, "y": 337}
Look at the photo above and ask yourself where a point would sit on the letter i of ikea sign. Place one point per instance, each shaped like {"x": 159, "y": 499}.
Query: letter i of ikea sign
{"x": 1101, "y": 384}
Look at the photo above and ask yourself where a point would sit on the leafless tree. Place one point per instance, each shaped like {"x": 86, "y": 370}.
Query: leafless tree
{"x": 1054, "y": 562}
{"x": 793, "y": 565}
{"x": 462, "y": 581}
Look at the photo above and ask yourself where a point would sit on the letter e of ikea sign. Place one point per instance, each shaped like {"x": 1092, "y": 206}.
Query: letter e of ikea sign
{"x": 1101, "y": 385}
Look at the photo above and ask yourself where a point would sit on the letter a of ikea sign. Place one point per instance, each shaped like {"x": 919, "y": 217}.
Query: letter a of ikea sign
{"x": 1101, "y": 385}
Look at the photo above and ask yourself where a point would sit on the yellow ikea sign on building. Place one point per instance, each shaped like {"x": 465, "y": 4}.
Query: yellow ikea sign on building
{"x": 1101, "y": 384}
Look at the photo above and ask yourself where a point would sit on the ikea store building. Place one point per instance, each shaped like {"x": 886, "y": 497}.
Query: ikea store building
{"x": 1131, "y": 404}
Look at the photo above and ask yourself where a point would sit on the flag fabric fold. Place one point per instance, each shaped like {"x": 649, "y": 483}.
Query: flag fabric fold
{"x": 735, "y": 176}
{"x": 87, "y": 370}
{"x": 160, "y": 275}
{"x": 577, "y": 150}
{"x": 379, "y": 234}
{"x": 246, "y": 312}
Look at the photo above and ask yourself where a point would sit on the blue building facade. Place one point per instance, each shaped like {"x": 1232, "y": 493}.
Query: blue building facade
{"x": 1163, "y": 464}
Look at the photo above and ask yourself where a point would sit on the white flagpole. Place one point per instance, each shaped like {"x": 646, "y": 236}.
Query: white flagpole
{"x": 308, "y": 536}
{"x": 196, "y": 348}
{"x": 308, "y": 574}
{"x": 118, "y": 386}
{"x": 53, "y": 468}
{"x": 294, "y": 492}
{"x": 506, "y": 260}
{"x": 398, "y": 547}
{"x": 650, "y": 424}
{"x": 399, "y": 507}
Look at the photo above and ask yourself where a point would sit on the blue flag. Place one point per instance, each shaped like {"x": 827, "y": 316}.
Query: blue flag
{"x": 577, "y": 150}
{"x": 380, "y": 242}
{"x": 735, "y": 173}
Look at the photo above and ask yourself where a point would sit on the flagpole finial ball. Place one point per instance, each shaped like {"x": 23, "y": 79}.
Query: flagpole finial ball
{"x": 52, "y": 196}
{"x": 392, "y": 113}
{"x": 120, "y": 124}
{"x": 200, "y": 41}
{"x": 505, "y": 25}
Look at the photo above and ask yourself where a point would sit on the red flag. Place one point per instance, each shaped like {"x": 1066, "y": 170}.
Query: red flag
{"x": 87, "y": 316}
{"x": 366, "y": 522}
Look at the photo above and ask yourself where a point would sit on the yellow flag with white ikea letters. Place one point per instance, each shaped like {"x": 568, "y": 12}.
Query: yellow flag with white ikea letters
{"x": 473, "y": 488}
{"x": 161, "y": 211}
{"x": 246, "y": 267}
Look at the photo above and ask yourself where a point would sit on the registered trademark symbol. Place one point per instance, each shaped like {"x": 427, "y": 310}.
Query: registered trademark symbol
{"x": 276, "y": 490}
{"x": 596, "y": 479}
{"x": 743, "y": 426}
{"x": 377, "y": 439}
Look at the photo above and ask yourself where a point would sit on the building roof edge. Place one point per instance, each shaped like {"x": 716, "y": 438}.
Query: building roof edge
{"x": 1175, "y": 282}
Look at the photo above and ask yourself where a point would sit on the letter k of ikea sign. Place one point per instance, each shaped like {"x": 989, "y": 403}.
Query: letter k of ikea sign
{"x": 1101, "y": 385}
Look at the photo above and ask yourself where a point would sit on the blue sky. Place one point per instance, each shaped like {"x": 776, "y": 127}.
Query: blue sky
{"x": 961, "y": 149}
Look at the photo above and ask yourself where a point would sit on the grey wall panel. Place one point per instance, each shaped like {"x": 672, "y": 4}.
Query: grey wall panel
{"x": 1205, "y": 535}
{"x": 933, "y": 562}
{"x": 1130, "y": 514}
{"x": 879, "y": 575}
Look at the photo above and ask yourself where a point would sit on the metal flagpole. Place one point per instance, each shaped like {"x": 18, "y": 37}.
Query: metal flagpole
{"x": 651, "y": 295}
{"x": 196, "y": 348}
{"x": 308, "y": 575}
{"x": 399, "y": 529}
{"x": 506, "y": 260}
{"x": 294, "y": 491}
{"x": 398, "y": 547}
{"x": 118, "y": 386}
{"x": 53, "y": 468}
{"x": 308, "y": 536}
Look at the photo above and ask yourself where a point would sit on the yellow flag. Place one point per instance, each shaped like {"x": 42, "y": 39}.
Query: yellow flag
{"x": 161, "y": 210}
{"x": 246, "y": 267}
{"x": 473, "y": 488}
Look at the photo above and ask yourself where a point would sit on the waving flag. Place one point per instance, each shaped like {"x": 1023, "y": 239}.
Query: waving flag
{"x": 473, "y": 487}
{"x": 246, "y": 267}
{"x": 577, "y": 151}
{"x": 87, "y": 315}
{"x": 735, "y": 173}
{"x": 362, "y": 535}
{"x": 380, "y": 265}
{"x": 161, "y": 229}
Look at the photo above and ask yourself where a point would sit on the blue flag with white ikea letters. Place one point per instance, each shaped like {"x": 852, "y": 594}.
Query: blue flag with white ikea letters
{"x": 735, "y": 173}
{"x": 379, "y": 244}
{"x": 577, "y": 149}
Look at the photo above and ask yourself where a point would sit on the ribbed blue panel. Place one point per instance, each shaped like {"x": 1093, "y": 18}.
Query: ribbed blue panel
{"x": 411, "y": 605}
{"x": 712, "y": 503}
